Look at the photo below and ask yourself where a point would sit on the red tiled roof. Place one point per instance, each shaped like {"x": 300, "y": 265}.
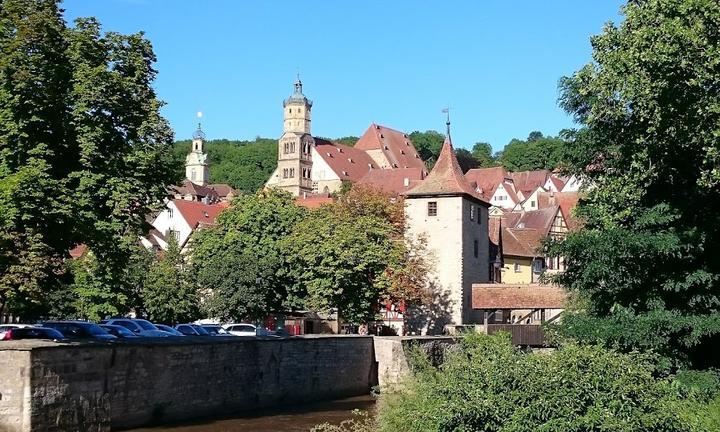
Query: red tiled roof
{"x": 197, "y": 213}
{"x": 223, "y": 190}
{"x": 486, "y": 179}
{"x": 349, "y": 163}
{"x": 395, "y": 145}
{"x": 189, "y": 188}
{"x": 446, "y": 178}
{"x": 567, "y": 202}
{"x": 531, "y": 296}
{"x": 313, "y": 201}
{"x": 521, "y": 242}
{"x": 394, "y": 181}
{"x": 557, "y": 182}
{"x": 529, "y": 180}
{"x": 78, "y": 251}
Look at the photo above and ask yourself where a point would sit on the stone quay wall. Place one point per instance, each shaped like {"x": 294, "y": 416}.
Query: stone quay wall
{"x": 99, "y": 387}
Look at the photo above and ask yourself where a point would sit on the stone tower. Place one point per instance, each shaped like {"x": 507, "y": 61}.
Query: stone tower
{"x": 295, "y": 145}
{"x": 445, "y": 210}
{"x": 196, "y": 162}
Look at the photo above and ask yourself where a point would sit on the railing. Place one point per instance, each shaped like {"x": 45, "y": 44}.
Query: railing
{"x": 522, "y": 334}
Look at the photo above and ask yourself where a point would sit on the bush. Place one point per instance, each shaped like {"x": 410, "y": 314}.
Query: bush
{"x": 488, "y": 385}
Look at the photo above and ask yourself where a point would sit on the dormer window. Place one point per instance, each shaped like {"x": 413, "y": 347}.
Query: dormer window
{"x": 345, "y": 173}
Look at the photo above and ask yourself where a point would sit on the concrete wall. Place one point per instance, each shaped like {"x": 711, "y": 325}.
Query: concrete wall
{"x": 53, "y": 387}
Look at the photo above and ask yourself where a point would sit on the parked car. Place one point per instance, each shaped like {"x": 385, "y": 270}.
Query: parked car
{"x": 80, "y": 330}
{"x": 246, "y": 330}
{"x": 168, "y": 329}
{"x": 191, "y": 330}
{"x": 118, "y": 331}
{"x": 140, "y": 327}
{"x": 215, "y": 330}
{"x": 6, "y": 327}
{"x": 29, "y": 332}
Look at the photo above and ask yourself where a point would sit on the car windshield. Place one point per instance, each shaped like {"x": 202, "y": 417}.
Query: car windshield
{"x": 146, "y": 325}
{"x": 212, "y": 330}
{"x": 95, "y": 330}
{"x": 201, "y": 330}
{"x": 121, "y": 330}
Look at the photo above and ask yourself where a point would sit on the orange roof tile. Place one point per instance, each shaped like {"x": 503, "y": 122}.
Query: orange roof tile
{"x": 348, "y": 162}
{"x": 395, "y": 145}
{"x": 313, "y": 201}
{"x": 529, "y": 180}
{"x": 78, "y": 251}
{"x": 487, "y": 179}
{"x": 197, "y": 213}
{"x": 446, "y": 178}
{"x": 531, "y": 296}
{"x": 567, "y": 202}
{"x": 394, "y": 181}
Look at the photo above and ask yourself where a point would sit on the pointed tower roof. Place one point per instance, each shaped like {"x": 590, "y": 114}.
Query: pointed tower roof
{"x": 446, "y": 178}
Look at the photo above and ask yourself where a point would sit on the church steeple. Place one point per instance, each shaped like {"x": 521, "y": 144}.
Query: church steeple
{"x": 297, "y": 110}
{"x": 196, "y": 163}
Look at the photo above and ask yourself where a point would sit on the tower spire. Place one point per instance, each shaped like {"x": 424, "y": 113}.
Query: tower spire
{"x": 447, "y": 122}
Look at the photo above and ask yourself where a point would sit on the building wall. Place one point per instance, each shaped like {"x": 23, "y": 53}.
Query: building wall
{"x": 379, "y": 158}
{"x": 510, "y": 276}
{"x": 54, "y": 387}
{"x": 171, "y": 219}
{"x": 450, "y": 241}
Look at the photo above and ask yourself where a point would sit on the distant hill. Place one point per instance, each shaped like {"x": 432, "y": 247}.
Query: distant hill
{"x": 245, "y": 165}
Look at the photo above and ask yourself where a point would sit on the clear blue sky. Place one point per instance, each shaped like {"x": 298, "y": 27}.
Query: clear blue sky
{"x": 397, "y": 63}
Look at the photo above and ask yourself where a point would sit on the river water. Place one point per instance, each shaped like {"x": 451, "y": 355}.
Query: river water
{"x": 292, "y": 419}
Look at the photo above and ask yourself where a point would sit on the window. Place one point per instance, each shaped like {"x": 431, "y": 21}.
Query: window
{"x": 479, "y": 219}
{"x": 532, "y": 203}
{"x": 475, "y": 248}
{"x": 193, "y": 175}
{"x": 517, "y": 268}
{"x": 285, "y": 173}
{"x": 472, "y": 213}
{"x": 432, "y": 208}
{"x": 538, "y": 265}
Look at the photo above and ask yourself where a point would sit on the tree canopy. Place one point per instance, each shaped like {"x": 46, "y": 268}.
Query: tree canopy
{"x": 534, "y": 153}
{"x": 83, "y": 148}
{"x": 646, "y": 261}
{"x": 244, "y": 165}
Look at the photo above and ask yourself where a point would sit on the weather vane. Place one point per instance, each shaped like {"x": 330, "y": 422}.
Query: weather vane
{"x": 446, "y": 110}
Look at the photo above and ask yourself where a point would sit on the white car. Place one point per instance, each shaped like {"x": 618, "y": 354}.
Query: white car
{"x": 6, "y": 327}
{"x": 243, "y": 329}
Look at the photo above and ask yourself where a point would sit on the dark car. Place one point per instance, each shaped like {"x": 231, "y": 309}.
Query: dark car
{"x": 168, "y": 329}
{"x": 33, "y": 333}
{"x": 80, "y": 330}
{"x": 118, "y": 331}
{"x": 191, "y": 330}
{"x": 215, "y": 330}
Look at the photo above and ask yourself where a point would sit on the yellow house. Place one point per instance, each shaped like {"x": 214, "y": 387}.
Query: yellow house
{"x": 516, "y": 242}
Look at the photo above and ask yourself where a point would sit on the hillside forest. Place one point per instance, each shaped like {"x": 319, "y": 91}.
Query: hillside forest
{"x": 246, "y": 165}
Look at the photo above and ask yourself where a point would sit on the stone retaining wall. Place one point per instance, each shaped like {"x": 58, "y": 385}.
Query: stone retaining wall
{"x": 96, "y": 387}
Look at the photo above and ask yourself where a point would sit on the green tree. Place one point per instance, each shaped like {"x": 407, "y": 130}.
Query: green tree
{"x": 466, "y": 160}
{"x": 169, "y": 295}
{"x": 240, "y": 262}
{"x": 347, "y": 140}
{"x": 91, "y": 291}
{"x": 646, "y": 260}
{"x": 244, "y": 165}
{"x": 537, "y": 152}
{"x": 428, "y": 145}
{"x": 487, "y": 384}
{"x": 83, "y": 148}
{"x": 482, "y": 152}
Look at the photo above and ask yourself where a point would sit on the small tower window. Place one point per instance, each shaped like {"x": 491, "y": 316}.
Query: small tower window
{"x": 432, "y": 208}
{"x": 475, "y": 248}
{"x": 472, "y": 212}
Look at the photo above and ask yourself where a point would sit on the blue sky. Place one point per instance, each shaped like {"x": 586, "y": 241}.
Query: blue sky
{"x": 397, "y": 63}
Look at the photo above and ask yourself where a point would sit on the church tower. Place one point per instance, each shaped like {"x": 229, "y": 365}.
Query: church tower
{"x": 293, "y": 173}
{"x": 196, "y": 162}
